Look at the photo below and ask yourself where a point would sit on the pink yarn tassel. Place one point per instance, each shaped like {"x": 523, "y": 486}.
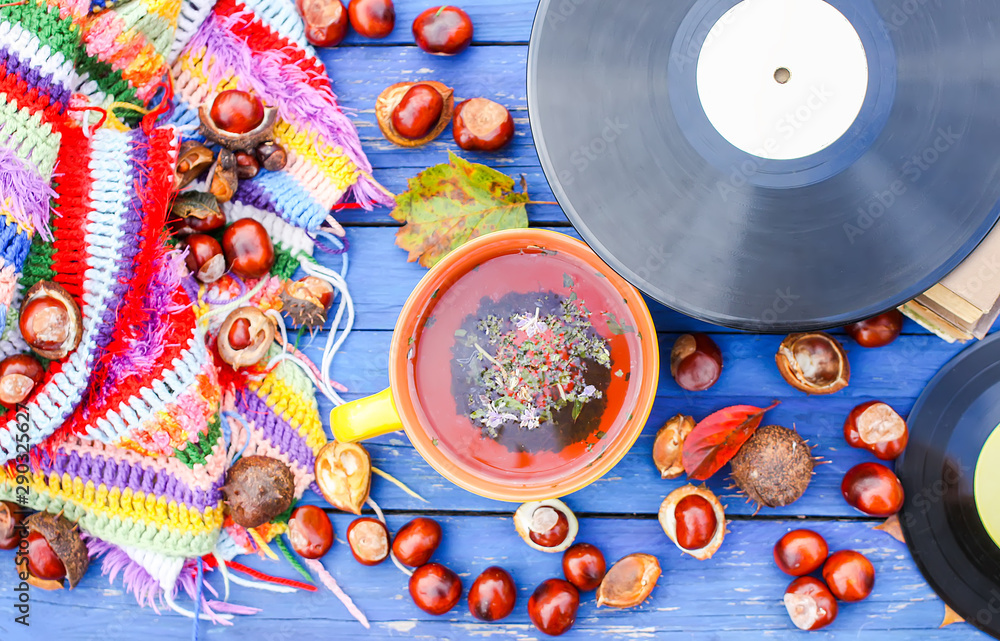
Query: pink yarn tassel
{"x": 331, "y": 583}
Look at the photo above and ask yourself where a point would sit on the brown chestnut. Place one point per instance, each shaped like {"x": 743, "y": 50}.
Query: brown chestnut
{"x": 695, "y": 362}
{"x": 50, "y": 320}
{"x": 482, "y": 125}
{"x": 369, "y": 540}
{"x": 849, "y": 575}
{"x": 310, "y": 531}
{"x": 813, "y": 363}
{"x": 553, "y": 606}
{"x": 583, "y": 565}
{"x": 422, "y": 106}
{"x": 547, "y": 526}
{"x": 10, "y": 525}
{"x": 271, "y": 156}
{"x": 800, "y": 552}
{"x": 373, "y": 19}
{"x": 878, "y": 331}
{"x": 810, "y": 604}
{"x": 248, "y": 249}
{"x": 246, "y": 165}
{"x": 20, "y": 374}
{"x": 492, "y": 595}
{"x": 435, "y": 589}
{"x": 443, "y": 30}
{"x": 876, "y": 427}
{"x": 325, "y": 20}
{"x": 204, "y": 258}
{"x": 237, "y": 111}
{"x": 251, "y": 331}
{"x": 418, "y": 112}
{"x": 694, "y": 519}
{"x": 873, "y": 489}
{"x": 416, "y": 541}
{"x": 193, "y": 160}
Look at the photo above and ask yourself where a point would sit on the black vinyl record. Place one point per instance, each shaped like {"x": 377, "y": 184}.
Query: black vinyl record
{"x": 949, "y": 426}
{"x": 775, "y": 227}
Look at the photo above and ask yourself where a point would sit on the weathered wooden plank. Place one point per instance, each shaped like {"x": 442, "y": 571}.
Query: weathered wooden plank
{"x": 732, "y": 596}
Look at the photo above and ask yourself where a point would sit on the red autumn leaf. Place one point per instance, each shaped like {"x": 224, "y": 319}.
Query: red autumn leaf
{"x": 717, "y": 439}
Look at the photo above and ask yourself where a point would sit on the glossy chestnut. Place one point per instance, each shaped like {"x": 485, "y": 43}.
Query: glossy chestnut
{"x": 443, "y": 30}
{"x": 248, "y": 249}
{"x": 695, "y": 362}
{"x": 416, "y": 541}
{"x": 237, "y": 111}
{"x": 876, "y": 427}
{"x": 373, "y": 19}
{"x": 435, "y": 589}
{"x": 418, "y": 112}
{"x": 247, "y": 165}
{"x": 325, "y": 21}
{"x": 810, "y": 604}
{"x": 310, "y": 531}
{"x": 800, "y": 552}
{"x": 553, "y": 605}
{"x": 271, "y": 156}
{"x": 873, "y": 489}
{"x": 482, "y": 125}
{"x": 878, "y": 331}
{"x": 204, "y": 258}
{"x": 42, "y": 559}
{"x": 239, "y": 334}
{"x": 694, "y": 519}
{"x": 584, "y": 566}
{"x": 369, "y": 540}
{"x": 10, "y": 520}
{"x": 245, "y": 336}
{"x": 55, "y": 549}
{"x": 50, "y": 320}
{"x": 696, "y": 522}
{"x": 20, "y": 374}
{"x": 493, "y": 595}
{"x": 849, "y": 575}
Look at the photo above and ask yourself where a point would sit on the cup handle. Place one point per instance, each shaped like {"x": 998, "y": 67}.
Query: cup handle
{"x": 365, "y": 418}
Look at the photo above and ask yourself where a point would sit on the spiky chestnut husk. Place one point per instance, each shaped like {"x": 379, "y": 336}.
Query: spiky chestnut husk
{"x": 774, "y": 467}
{"x": 64, "y": 539}
{"x": 301, "y": 311}
{"x": 257, "y": 489}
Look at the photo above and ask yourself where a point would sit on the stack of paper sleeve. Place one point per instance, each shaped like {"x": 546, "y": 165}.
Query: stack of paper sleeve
{"x": 966, "y": 303}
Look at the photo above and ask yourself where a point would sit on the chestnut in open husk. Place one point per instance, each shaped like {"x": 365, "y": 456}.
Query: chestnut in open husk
{"x": 669, "y": 444}
{"x": 388, "y": 101}
{"x": 774, "y": 466}
{"x": 193, "y": 160}
{"x": 547, "y": 526}
{"x": 814, "y": 363}
{"x": 50, "y": 320}
{"x": 694, "y": 520}
{"x": 305, "y": 302}
{"x": 245, "y": 336}
{"x": 344, "y": 475}
{"x": 237, "y": 120}
{"x": 61, "y": 539}
{"x": 629, "y": 582}
{"x": 257, "y": 489}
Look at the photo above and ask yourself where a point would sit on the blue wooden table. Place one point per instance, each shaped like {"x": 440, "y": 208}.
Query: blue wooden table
{"x": 735, "y": 595}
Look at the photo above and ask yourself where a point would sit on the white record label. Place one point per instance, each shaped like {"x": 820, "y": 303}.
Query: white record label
{"x": 782, "y": 79}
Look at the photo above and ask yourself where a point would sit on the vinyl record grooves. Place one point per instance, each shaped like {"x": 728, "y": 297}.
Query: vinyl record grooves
{"x": 771, "y": 165}
{"x": 947, "y": 498}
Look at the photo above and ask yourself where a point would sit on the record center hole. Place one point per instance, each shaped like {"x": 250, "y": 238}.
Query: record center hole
{"x": 782, "y": 75}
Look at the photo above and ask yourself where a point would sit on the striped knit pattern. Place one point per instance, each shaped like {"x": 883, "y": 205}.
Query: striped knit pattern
{"x": 259, "y": 47}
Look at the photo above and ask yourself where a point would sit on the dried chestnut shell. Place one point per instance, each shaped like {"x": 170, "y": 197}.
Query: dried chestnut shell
{"x": 416, "y": 541}
{"x": 247, "y": 165}
{"x": 260, "y": 332}
{"x": 204, "y": 258}
{"x": 873, "y": 489}
{"x": 64, "y": 541}
{"x": 547, "y": 526}
{"x": 583, "y": 565}
{"x": 193, "y": 160}
{"x": 849, "y": 575}
{"x": 257, "y": 489}
{"x": 344, "y": 475}
{"x": 20, "y": 374}
{"x": 800, "y": 552}
{"x": 306, "y": 302}
{"x": 878, "y": 331}
{"x": 271, "y": 156}
{"x": 629, "y": 582}
{"x": 553, "y": 605}
{"x": 50, "y": 320}
{"x": 876, "y": 427}
{"x": 369, "y": 540}
{"x": 224, "y": 179}
{"x": 444, "y": 30}
{"x": 695, "y": 362}
{"x": 373, "y": 19}
{"x": 310, "y": 531}
{"x": 390, "y": 98}
{"x": 493, "y": 595}
{"x": 810, "y": 604}
{"x": 814, "y": 363}
{"x": 10, "y": 525}
{"x": 482, "y": 125}
{"x": 435, "y": 589}
{"x": 325, "y": 21}
{"x": 248, "y": 248}
{"x": 231, "y": 138}
{"x": 694, "y": 520}
{"x": 668, "y": 446}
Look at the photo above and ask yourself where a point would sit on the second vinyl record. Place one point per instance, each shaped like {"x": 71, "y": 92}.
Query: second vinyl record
{"x": 771, "y": 165}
